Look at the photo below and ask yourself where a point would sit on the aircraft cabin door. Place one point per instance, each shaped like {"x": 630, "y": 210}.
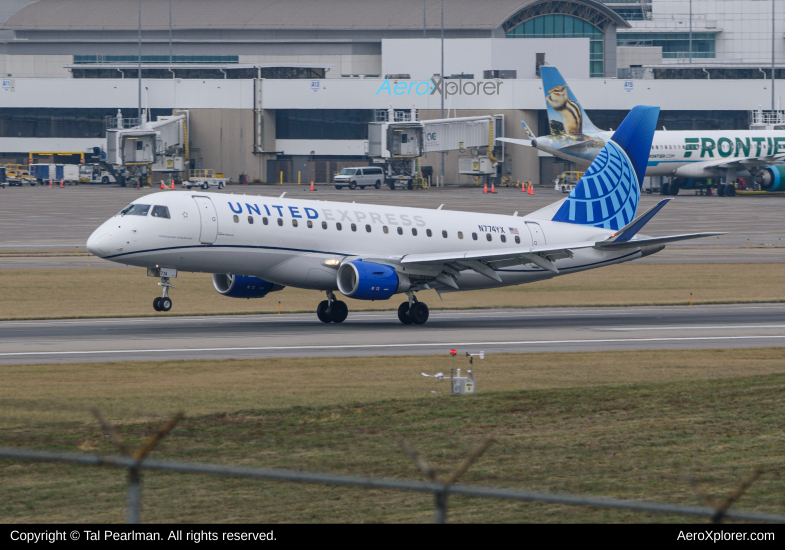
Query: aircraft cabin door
{"x": 209, "y": 220}
{"x": 538, "y": 237}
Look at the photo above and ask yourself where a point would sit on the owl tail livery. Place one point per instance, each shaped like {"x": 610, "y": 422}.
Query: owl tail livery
{"x": 562, "y": 105}
{"x": 607, "y": 195}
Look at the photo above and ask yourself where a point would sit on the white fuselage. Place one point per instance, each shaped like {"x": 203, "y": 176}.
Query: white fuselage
{"x": 227, "y": 233}
{"x": 672, "y": 152}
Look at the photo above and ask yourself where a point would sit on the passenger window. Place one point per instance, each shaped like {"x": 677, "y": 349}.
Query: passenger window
{"x": 460, "y": 234}
{"x": 324, "y": 225}
{"x": 517, "y": 239}
{"x": 367, "y": 228}
{"x": 236, "y": 218}
{"x": 310, "y": 224}
{"x": 294, "y": 223}
{"x": 280, "y": 222}
{"x": 264, "y": 221}
{"x": 504, "y": 238}
{"x": 384, "y": 228}
{"x": 488, "y": 236}
{"x": 474, "y": 236}
{"x": 160, "y": 212}
{"x": 414, "y": 232}
{"x": 444, "y": 234}
{"x": 354, "y": 227}
{"x": 338, "y": 226}
{"x": 400, "y": 230}
{"x": 429, "y": 232}
{"x": 250, "y": 220}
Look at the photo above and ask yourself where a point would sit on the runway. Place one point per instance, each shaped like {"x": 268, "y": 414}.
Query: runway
{"x": 380, "y": 333}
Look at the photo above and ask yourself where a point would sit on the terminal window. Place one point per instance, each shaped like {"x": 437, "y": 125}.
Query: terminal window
{"x": 322, "y": 123}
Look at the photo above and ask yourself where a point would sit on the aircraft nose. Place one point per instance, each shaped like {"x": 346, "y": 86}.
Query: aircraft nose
{"x": 97, "y": 243}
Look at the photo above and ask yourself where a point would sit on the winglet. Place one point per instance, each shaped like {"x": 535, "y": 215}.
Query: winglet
{"x": 632, "y": 228}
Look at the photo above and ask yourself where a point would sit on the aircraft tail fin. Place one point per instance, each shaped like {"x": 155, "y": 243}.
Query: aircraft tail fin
{"x": 608, "y": 193}
{"x": 565, "y": 114}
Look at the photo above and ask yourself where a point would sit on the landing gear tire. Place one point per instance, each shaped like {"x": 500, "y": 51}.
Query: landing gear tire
{"x": 165, "y": 304}
{"x": 339, "y": 312}
{"x": 665, "y": 188}
{"x": 403, "y": 314}
{"x": 419, "y": 313}
{"x": 321, "y": 312}
{"x": 157, "y": 304}
{"x": 731, "y": 191}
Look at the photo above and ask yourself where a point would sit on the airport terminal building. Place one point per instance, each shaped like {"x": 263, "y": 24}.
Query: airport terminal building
{"x": 274, "y": 89}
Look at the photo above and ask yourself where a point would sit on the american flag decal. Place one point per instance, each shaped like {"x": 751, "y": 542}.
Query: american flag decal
{"x": 513, "y": 231}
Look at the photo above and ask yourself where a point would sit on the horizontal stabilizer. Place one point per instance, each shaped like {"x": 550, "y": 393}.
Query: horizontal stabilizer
{"x": 524, "y": 142}
{"x": 632, "y": 228}
{"x": 638, "y": 243}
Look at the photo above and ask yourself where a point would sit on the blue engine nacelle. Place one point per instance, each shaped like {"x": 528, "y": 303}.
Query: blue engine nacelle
{"x": 242, "y": 286}
{"x": 370, "y": 281}
{"x": 773, "y": 178}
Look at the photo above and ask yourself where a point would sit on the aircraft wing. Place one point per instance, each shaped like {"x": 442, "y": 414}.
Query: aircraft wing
{"x": 524, "y": 142}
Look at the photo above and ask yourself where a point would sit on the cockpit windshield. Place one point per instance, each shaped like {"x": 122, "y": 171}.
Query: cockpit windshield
{"x": 160, "y": 212}
{"x": 135, "y": 210}
{"x": 347, "y": 172}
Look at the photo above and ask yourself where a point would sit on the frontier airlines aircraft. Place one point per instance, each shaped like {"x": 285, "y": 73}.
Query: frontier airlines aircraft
{"x": 681, "y": 155}
{"x": 256, "y": 245}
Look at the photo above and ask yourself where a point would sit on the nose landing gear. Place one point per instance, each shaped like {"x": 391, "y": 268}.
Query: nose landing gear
{"x": 413, "y": 312}
{"x": 164, "y": 303}
{"x": 332, "y": 310}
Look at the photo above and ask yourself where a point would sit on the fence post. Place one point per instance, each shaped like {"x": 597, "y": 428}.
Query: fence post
{"x": 440, "y": 510}
{"x": 133, "y": 514}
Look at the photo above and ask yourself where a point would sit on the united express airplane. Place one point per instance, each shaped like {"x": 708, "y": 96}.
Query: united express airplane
{"x": 681, "y": 155}
{"x": 255, "y": 245}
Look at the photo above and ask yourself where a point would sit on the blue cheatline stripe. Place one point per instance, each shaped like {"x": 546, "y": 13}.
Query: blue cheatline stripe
{"x": 348, "y": 254}
{"x": 228, "y": 246}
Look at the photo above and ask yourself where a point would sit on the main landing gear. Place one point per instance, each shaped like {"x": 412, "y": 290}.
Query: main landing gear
{"x": 413, "y": 312}
{"x": 164, "y": 303}
{"x": 332, "y": 310}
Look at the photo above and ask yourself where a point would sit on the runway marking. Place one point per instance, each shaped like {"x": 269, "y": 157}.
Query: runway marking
{"x": 691, "y": 327}
{"x": 380, "y": 346}
{"x": 297, "y": 317}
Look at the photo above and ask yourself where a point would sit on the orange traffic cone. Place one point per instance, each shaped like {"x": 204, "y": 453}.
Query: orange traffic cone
{"x": 531, "y": 189}
{"x": 162, "y": 186}
{"x": 50, "y": 183}
{"x": 312, "y": 189}
{"x": 62, "y": 184}
{"x": 172, "y": 185}
{"x": 523, "y": 187}
{"x": 493, "y": 187}
{"x": 485, "y": 189}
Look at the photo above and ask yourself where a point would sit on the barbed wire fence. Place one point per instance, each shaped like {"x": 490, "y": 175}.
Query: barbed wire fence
{"x": 441, "y": 488}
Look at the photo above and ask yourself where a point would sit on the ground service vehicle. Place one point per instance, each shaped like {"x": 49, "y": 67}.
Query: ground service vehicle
{"x": 361, "y": 177}
{"x": 93, "y": 173}
{"x": 204, "y": 179}
{"x": 18, "y": 174}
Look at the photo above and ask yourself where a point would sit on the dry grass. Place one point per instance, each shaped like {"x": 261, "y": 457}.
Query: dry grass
{"x": 132, "y": 392}
{"x": 604, "y": 423}
{"x": 129, "y": 292}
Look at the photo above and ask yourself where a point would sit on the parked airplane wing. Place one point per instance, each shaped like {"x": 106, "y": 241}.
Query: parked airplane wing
{"x": 524, "y": 142}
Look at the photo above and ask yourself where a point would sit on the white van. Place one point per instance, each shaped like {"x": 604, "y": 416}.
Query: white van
{"x": 362, "y": 177}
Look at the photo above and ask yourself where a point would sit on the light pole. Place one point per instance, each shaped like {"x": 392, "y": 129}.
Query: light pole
{"x": 170, "y": 32}
{"x": 443, "y": 87}
{"x": 139, "y": 111}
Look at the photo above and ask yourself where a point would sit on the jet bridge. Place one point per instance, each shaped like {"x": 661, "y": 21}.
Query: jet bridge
{"x": 142, "y": 147}
{"x": 399, "y": 144}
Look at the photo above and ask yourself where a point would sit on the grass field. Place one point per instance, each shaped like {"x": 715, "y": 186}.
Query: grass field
{"x": 129, "y": 292}
{"x": 605, "y": 423}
